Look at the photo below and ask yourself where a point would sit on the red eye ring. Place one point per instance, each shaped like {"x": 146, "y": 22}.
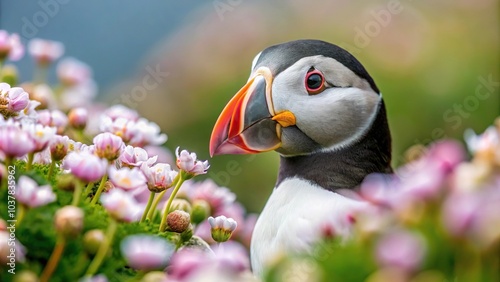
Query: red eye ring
{"x": 314, "y": 82}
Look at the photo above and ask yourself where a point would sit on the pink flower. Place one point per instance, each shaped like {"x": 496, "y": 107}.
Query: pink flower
{"x": 86, "y": 166}
{"x": 120, "y": 111}
{"x": 10, "y": 46}
{"x": 41, "y": 135}
{"x": 14, "y": 99}
{"x": 78, "y": 118}
{"x": 146, "y": 252}
{"x": 159, "y": 177}
{"x": 79, "y": 95}
{"x": 45, "y": 51}
{"x": 6, "y": 245}
{"x": 217, "y": 197}
{"x": 59, "y": 147}
{"x": 136, "y": 156}
{"x": 121, "y": 205}
{"x": 53, "y": 118}
{"x": 189, "y": 163}
{"x": 15, "y": 142}
{"x": 108, "y": 146}
{"x": 30, "y": 194}
{"x": 126, "y": 178}
{"x": 146, "y": 133}
{"x": 72, "y": 72}
{"x": 401, "y": 249}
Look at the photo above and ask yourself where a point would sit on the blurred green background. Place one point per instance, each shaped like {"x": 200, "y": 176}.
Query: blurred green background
{"x": 436, "y": 63}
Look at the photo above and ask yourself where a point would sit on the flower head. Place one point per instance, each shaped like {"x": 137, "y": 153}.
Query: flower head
{"x": 59, "y": 147}
{"x": 401, "y": 249}
{"x": 222, "y": 228}
{"x": 15, "y": 142}
{"x": 45, "y": 51}
{"x": 146, "y": 252}
{"x": 69, "y": 221}
{"x": 40, "y": 134}
{"x": 72, "y": 72}
{"x": 126, "y": 178}
{"x": 85, "y": 165}
{"x": 120, "y": 111}
{"x": 136, "y": 156}
{"x": 178, "y": 221}
{"x": 10, "y": 46}
{"x": 108, "y": 146}
{"x": 78, "y": 118}
{"x": 189, "y": 163}
{"x": 12, "y": 100}
{"x": 121, "y": 205}
{"x": 53, "y": 118}
{"x": 30, "y": 194}
{"x": 159, "y": 177}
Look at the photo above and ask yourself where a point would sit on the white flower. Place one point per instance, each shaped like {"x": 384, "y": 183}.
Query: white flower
{"x": 188, "y": 162}
{"x": 222, "y": 227}
{"x": 30, "y": 194}
{"x": 159, "y": 177}
{"x": 126, "y": 178}
{"x": 146, "y": 252}
{"x": 121, "y": 205}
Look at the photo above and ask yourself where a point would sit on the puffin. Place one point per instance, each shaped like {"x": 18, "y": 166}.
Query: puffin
{"x": 315, "y": 105}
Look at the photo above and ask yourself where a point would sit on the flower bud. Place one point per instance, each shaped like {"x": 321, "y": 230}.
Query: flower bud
{"x": 92, "y": 240}
{"x": 78, "y": 118}
{"x": 178, "y": 221}
{"x": 108, "y": 146}
{"x": 66, "y": 182}
{"x": 180, "y": 204}
{"x": 187, "y": 234}
{"x": 201, "y": 210}
{"x": 222, "y": 228}
{"x": 69, "y": 221}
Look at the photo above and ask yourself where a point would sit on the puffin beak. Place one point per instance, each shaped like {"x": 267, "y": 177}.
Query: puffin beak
{"x": 248, "y": 124}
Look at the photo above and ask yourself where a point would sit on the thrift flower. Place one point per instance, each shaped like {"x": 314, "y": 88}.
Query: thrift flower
{"x": 86, "y": 166}
{"x": 43, "y": 94}
{"x": 120, "y": 111}
{"x": 30, "y": 194}
{"x": 121, "y": 205}
{"x": 159, "y": 177}
{"x": 222, "y": 228}
{"x": 126, "y": 178}
{"x": 40, "y": 134}
{"x": 135, "y": 157}
{"x": 78, "y": 118}
{"x": 147, "y": 133}
{"x": 10, "y": 46}
{"x": 45, "y": 51}
{"x": 71, "y": 71}
{"x": 178, "y": 221}
{"x": 15, "y": 142}
{"x": 69, "y": 221}
{"x": 146, "y": 252}
{"x": 53, "y": 118}
{"x": 108, "y": 146}
{"x": 59, "y": 147}
{"x": 6, "y": 246}
{"x": 12, "y": 100}
{"x": 189, "y": 163}
{"x": 79, "y": 95}
{"x": 401, "y": 249}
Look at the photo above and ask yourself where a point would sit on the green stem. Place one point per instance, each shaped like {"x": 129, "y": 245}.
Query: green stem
{"x": 99, "y": 190}
{"x": 21, "y": 212}
{"x": 163, "y": 224}
{"x": 31, "y": 156}
{"x": 51, "y": 169}
{"x": 103, "y": 248}
{"x": 54, "y": 259}
{"x": 77, "y": 193}
{"x": 148, "y": 206}
{"x": 89, "y": 186}
{"x": 158, "y": 199}
{"x": 155, "y": 205}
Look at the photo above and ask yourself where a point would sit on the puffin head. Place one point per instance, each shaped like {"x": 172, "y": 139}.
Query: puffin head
{"x": 302, "y": 97}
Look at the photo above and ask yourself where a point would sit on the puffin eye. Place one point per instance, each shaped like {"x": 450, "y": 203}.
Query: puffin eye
{"x": 315, "y": 82}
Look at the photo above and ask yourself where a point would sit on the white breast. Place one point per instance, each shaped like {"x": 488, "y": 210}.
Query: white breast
{"x": 293, "y": 217}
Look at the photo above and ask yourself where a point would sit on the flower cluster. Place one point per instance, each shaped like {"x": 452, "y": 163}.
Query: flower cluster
{"x": 113, "y": 163}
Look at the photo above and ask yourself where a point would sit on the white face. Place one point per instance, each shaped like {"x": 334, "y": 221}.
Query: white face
{"x": 333, "y": 118}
